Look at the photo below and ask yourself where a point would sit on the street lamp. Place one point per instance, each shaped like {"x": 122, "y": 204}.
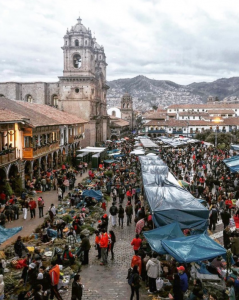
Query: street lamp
{"x": 187, "y": 126}
{"x": 217, "y": 121}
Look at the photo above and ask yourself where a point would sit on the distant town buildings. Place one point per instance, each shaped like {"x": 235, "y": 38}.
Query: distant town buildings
{"x": 189, "y": 119}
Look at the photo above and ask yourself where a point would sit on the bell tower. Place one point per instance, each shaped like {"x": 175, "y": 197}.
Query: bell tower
{"x": 127, "y": 112}
{"x": 83, "y": 84}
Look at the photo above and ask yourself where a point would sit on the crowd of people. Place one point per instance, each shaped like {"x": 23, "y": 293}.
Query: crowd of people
{"x": 208, "y": 178}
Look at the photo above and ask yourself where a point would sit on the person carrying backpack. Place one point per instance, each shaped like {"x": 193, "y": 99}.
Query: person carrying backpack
{"x": 134, "y": 282}
{"x": 113, "y": 212}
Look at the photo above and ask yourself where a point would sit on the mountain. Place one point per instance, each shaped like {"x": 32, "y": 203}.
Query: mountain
{"x": 147, "y": 92}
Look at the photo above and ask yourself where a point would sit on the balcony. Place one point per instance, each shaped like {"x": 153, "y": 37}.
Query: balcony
{"x": 74, "y": 138}
{"x": 29, "y": 153}
{"x": 157, "y": 131}
{"x": 7, "y": 156}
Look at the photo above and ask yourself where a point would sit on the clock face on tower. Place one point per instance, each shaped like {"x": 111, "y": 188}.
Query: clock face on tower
{"x": 77, "y": 61}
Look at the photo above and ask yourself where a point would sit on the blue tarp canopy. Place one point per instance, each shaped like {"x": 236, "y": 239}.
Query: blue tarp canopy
{"x": 155, "y": 236}
{"x": 170, "y": 203}
{"x": 6, "y": 233}
{"x": 118, "y": 155}
{"x": 232, "y": 163}
{"x": 113, "y": 151}
{"x": 193, "y": 248}
{"x": 92, "y": 193}
{"x": 109, "y": 161}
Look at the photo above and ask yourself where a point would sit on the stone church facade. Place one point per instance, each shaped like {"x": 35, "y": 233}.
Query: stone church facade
{"x": 127, "y": 112}
{"x": 81, "y": 90}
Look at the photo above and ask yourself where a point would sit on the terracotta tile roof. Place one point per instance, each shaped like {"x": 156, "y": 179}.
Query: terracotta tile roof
{"x": 7, "y": 115}
{"x": 221, "y": 111}
{"x": 156, "y": 115}
{"x": 194, "y": 113}
{"x": 172, "y": 114}
{"x": 230, "y": 121}
{"x": 53, "y": 113}
{"x": 39, "y": 114}
{"x": 213, "y": 105}
{"x": 156, "y": 123}
{"x": 117, "y": 122}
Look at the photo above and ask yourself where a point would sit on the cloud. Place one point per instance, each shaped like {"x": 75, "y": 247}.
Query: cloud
{"x": 183, "y": 41}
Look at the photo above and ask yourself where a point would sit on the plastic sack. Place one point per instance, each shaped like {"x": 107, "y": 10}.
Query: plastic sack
{"x": 231, "y": 222}
{"x": 159, "y": 284}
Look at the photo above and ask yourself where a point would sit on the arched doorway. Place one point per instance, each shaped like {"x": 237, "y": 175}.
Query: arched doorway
{"x": 43, "y": 163}
{"x": 55, "y": 160}
{"x": 49, "y": 161}
{"x": 36, "y": 167}
{"x": 3, "y": 177}
{"x": 27, "y": 170}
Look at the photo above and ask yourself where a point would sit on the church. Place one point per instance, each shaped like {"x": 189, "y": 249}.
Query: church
{"x": 81, "y": 90}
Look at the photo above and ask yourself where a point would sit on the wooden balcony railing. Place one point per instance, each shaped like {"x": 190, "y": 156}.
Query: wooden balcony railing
{"x": 7, "y": 156}
{"x": 29, "y": 153}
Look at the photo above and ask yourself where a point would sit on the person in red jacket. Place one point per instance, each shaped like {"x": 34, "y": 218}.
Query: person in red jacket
{"x": 104, "y": 241}
{"x": 55, "y": 276}
{"x": 136, "y": 261}
{"x": 136, "y": 242}
{"x": 32, "y": 205}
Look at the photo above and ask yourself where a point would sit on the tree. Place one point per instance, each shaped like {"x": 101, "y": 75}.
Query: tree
{"x": 202, "y": 136}
{"x": 222, "y": 138}
{"x": 154, "y": 107}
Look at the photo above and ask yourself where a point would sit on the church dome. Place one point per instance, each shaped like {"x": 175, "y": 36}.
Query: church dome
{"x": 79, "y": 27}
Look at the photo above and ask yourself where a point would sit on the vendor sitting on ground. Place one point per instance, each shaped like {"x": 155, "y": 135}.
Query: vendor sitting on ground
{"x": 68, "y": 257}
{"x": 19, "y": 247}
{"x": 217, "y": 262}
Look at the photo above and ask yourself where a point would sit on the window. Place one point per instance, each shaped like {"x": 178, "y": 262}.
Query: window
{"x": 86, "y": 42}
{"x": 29, "y": 99}
{"x": 77, "y": 61}
{"x": 65, "y": 42}
{"x": 182, "y": 117}
{"x": 100, "y": 57}
{"x": 27, "y": 141}
{"x": 193, "y": 117}
{"x": 54, "y": 100}
{"x": 113, "y": 113}
{"x": 92, "y": 91}
{"x": 170, "y": 110}
{"x": 77, "y": 90}
{"x": 76, "y": 43}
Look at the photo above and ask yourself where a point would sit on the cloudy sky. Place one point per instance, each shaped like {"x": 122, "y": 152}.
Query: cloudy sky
{"x": 179, "y": 40}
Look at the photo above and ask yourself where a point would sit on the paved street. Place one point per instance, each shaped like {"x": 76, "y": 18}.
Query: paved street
{"x": 29, "y": 225}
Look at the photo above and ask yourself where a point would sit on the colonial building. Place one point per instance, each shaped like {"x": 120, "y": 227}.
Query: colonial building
{"x": 189, "y": 119}
{"x": 82, "y": 88}
{"x": 35, "y": 137}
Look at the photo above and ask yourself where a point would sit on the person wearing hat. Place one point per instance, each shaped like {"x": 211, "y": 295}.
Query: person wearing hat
{"x": 45, "y": 280}
{"x": 217, "y": 262}
{"x": 32, "y": 275}
{"x": 226, "y": 238}
{"x": 154, "y": 270}
{"x": 97, "y": 244}
{"x": 68, "y": 257}
{"x": 19, "y": 246}
{"x": 105, "y": 221}
{"x": 55, "y": 276}
{"x": 183, "y": 278}
{"x": 85, "y": 247}
{"x": 104, "y": 241}
{"x": 77, "y": 288}
{"x": 113, "y": 212}
{"x": 129, "y": 212}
